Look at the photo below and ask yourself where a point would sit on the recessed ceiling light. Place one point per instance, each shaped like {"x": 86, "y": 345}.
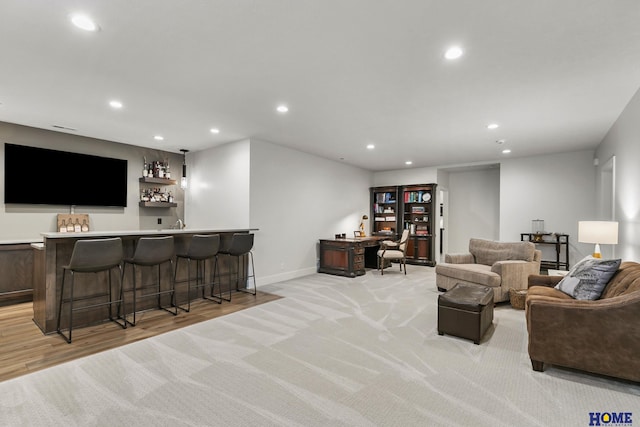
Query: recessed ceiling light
{"x": 370, "y": 147}
{"x": 159, "y": 138}
{"x": 506, "y": 151}
{"x": 115, "y": 104}
{"x": 454, "y": 52}
{"x": 408, "y": 162}
{"x": 215, "y": 130}
{"x": 493, "y": 126}
{"x": 84, "y": 22}
{"x": 282, "y": 108}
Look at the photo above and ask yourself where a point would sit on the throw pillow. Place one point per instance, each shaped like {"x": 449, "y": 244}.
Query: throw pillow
{"x": 588, "y": 278}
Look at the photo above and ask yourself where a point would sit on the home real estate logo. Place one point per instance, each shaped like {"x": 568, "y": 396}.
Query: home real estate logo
{"x": 610, "y": 419}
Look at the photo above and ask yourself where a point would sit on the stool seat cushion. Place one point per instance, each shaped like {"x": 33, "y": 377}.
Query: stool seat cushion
{"x": 467, "y": 296}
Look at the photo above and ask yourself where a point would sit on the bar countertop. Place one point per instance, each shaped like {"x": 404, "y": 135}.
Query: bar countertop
{"x": 170, "y": 231}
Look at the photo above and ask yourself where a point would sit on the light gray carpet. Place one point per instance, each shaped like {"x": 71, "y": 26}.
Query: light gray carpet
{"x": 334, "y": 352}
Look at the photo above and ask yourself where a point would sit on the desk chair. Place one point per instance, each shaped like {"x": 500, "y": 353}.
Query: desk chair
{"x": 152, "y": 252}
{"x": 394, "y": 251}
{"x": 202, "y": 247}
{"x": 91, "y": 256}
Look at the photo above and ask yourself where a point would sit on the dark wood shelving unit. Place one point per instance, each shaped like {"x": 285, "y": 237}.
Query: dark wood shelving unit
{"x": 384, "y": 218}
{"x": 418, "y": 216}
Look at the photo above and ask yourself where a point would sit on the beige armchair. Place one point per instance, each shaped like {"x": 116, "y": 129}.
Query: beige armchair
{"x": 393, "y": 251}
{"x": 499, "y": 265}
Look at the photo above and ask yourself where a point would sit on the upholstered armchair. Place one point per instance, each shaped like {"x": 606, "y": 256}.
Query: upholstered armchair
{"x": 499, "y": 265}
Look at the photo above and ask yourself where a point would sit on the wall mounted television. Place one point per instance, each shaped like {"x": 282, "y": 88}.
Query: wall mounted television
{"x": 42, "y": 176}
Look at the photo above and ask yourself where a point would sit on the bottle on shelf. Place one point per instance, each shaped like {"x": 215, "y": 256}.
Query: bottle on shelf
{"x": 167, "y": 171}
{"x": 70, "y": 226}
{"x": 145, "y": 168}
{"x": 85, "y": 226}
{"x": 63, "y": 227}
{"x": 76, "y": 226}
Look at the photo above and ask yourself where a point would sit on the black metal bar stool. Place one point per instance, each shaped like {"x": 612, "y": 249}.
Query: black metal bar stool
{"x": 241, "y": 245}
{"x": 202, "y": 247}
{"x": 92, "y": 256}
{"x": 152, "y": 252}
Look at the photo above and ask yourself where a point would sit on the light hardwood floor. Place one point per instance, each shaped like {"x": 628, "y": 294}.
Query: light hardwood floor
{"x": 25, "y": 349}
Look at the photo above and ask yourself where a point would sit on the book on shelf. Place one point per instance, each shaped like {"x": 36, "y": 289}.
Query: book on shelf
{"x": 379, "y": 218}
{"x": 390, "y": 218}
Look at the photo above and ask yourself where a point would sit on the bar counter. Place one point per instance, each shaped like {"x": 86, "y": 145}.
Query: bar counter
{"x": 50, "y": 256}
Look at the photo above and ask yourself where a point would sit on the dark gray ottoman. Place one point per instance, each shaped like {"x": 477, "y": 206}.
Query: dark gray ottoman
{"x": 465, "y": 311}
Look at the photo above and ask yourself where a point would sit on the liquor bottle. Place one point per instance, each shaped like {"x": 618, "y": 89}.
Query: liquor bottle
{"x": 145, "y": 168}
{"x": 77, "y": 227}
{"x": 70, "y": 226}
{"x": 160, "y": 170}
{"x": 167, "y": 172}
{"x": 85, "y": 226}
{"x": 63, "y": 227}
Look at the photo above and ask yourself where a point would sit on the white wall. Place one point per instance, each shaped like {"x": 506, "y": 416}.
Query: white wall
{"x": 409, "y": 176}
{"x": 218, "y": 194}
{"x": 473, "y": 207}
{"x": 26, "y": 222}
{"x": 557, "y": 188}
{"x": 296, "y": 199}
{"x": 623, "y": 141}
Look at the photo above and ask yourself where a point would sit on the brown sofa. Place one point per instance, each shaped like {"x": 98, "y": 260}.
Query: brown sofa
{"x": 601, "y": 336}
{"x": 498, "y": 265}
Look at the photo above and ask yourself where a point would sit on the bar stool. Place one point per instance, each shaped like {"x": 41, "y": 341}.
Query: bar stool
{"x": 91, "y": 256}
{"x": 152, "y": 252}
{"x": 202, "y": 247}
{"x": 241, "y": 245}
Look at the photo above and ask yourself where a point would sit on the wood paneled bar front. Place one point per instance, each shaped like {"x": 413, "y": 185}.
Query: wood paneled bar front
{"x": 50, "y": 256}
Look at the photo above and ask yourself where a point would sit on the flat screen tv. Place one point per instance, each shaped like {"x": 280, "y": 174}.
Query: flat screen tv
{"x": 50, "y": 177}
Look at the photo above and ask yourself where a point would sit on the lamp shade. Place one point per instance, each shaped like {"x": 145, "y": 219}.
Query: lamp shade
{"x": 599, "y": 232}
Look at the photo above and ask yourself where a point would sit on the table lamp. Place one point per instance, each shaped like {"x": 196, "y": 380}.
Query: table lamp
{"x": 362, "y": 233}
{"x": 598, "y": 232}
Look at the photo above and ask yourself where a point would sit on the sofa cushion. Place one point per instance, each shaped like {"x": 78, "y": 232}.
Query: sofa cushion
{"x": 473, "y": 273}
{"x": 488, "y": 252}
{"x": 588, "y": 278}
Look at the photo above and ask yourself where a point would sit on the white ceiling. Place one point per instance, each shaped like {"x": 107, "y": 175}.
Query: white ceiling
{"x": 555, "y": 74}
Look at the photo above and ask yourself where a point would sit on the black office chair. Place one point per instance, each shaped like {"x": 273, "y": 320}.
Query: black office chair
{"x": 91, "y": 256}
{"x": 202, "y": 247}
{"x": 152, "y": 252}
{"x": 241, "y": 245}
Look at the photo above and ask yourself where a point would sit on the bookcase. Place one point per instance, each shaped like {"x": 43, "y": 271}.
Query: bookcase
{"x": 418, "y": 216}
{"x": 384, "y": 212}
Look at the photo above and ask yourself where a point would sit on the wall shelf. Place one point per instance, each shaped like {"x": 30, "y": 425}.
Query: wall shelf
{"x": 161, "y": 181}
{"x": 157, "y": 205}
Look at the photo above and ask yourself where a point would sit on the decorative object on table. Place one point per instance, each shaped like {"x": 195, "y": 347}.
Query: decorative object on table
{"x": 537, "y": 228}
{"x": 362, "y": 220}
{"x": 72, "y": 223}
{"x": 517, "y": 298}
{"x": 598, "y": 232}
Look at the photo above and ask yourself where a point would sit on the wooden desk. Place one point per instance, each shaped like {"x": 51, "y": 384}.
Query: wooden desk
{"x": 349, "y": 257}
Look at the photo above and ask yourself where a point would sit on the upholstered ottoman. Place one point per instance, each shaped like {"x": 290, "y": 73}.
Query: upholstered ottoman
{"x": 465, "y": 311}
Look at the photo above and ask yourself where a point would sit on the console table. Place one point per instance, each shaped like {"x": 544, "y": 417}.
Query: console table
{"x": 559, "y": 241}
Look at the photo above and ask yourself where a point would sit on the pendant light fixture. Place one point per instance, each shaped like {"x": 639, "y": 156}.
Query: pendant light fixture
{"x": 183, "y": 180}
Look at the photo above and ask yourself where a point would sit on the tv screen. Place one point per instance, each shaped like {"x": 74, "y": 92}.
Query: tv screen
{"x": 41, "y": 176}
